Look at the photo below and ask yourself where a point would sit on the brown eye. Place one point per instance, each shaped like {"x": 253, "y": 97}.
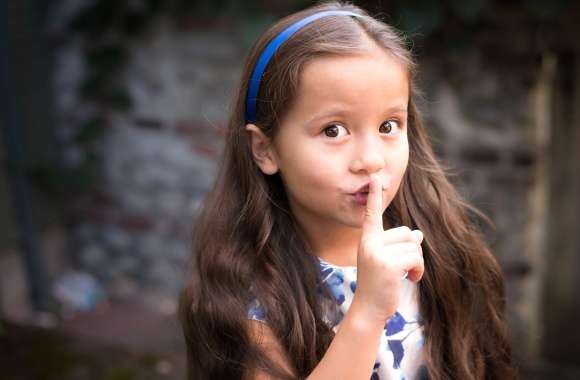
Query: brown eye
{"x": 332, "y": 130}
{"x": 387, "y": 126}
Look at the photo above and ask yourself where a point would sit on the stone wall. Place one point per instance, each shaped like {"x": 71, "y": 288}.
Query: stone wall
{"x": 158, "y": 160}
{"x": 480, "y": 115}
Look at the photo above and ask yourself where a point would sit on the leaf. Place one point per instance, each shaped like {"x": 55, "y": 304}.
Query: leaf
{"x": 119, "y": 99}
{"x": 90, "y": 131}
{"x": 421, "y": 17}
{"x": 108, "y": 58}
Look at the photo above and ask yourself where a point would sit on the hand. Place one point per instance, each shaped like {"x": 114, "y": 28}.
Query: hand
{"x": 383, "y": 258}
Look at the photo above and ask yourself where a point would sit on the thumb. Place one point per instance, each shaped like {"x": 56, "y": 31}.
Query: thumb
{"x": 373, "y": 222}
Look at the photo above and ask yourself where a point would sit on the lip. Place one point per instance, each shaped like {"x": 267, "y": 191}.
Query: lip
{"x": 363, "y": 189}
{"x": 360, "y": 198}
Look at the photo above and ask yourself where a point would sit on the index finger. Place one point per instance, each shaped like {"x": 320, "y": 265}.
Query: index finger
{"x": 373, "y": 222}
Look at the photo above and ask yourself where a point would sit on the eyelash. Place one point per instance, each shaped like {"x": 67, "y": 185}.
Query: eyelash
{"x": 386, "y": 121}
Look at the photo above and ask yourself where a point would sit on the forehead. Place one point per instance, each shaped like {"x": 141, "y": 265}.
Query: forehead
{"x": 362, "y": 81}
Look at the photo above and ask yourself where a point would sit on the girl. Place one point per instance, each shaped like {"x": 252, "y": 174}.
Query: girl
{"x": 332, "y": 246}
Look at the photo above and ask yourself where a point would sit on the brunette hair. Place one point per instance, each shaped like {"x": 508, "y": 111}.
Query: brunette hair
{"x": 248, "y": 245}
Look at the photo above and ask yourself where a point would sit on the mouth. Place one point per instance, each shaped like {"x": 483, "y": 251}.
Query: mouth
{"x": 363, "y": 189}
{"x": 360, "y": 197}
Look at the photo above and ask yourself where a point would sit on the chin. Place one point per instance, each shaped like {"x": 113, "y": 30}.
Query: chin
{"x": 356, "y": 222}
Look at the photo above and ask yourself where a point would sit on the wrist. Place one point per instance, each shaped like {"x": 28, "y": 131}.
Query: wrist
{"x": 366, "y": 317}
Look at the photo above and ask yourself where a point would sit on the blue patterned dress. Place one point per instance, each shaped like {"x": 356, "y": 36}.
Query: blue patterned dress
{"x": 400, "y": 352}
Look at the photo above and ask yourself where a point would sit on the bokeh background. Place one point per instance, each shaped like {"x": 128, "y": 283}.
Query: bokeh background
{"x": 113, "y": 116}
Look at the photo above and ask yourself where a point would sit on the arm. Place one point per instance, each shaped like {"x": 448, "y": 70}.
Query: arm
{"x": 351, "y": 355}
{"x": 353, "y": 351}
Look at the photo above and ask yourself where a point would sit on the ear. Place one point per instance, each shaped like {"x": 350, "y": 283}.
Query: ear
{"x": 262, "y": 150}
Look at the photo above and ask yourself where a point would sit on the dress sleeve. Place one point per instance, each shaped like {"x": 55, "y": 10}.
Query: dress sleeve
{"x": 256, "y": 311}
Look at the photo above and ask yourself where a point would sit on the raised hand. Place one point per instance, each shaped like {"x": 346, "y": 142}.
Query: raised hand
{"x": 384, "y": 257}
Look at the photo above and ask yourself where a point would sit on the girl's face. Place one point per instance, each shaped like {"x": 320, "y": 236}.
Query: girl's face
{"x": 349, "y": 120}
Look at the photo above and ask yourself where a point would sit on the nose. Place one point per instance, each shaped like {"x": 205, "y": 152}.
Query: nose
{"x": 368, "y": 155}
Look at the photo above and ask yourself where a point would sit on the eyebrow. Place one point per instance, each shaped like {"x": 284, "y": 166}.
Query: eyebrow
{"x": 339, "y": 111}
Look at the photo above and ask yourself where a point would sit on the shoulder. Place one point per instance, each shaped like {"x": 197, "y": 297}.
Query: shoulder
{"x": 264, "y": 338}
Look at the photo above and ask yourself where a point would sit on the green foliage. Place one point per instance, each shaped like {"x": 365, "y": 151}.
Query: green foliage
{"x": 91, "y": 130}
{"x": 421, "y": 16}
{"x": 102, "y": 84}
{"x": 444, "y": 22}
{"x": 252, "y": 28}
{"x": 107, "y": 57}
{"x": 59, "y": 182}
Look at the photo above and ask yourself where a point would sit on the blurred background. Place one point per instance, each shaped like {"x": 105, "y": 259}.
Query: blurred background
{"x": 112, "y": 119}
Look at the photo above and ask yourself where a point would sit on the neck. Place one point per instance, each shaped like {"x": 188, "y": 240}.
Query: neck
{"x": 336, "y": 245}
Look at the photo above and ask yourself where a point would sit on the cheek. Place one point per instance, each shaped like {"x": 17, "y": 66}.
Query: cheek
{"x": 400, "y": 161}
{"x": 309, "y": 173}
{"x": 405, "y": 161}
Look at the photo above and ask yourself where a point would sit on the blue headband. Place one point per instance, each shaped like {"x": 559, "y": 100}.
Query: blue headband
{"x": 254, "y": 84}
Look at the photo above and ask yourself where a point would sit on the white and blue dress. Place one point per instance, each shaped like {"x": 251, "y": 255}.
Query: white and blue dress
{"x": 400, "y": 352}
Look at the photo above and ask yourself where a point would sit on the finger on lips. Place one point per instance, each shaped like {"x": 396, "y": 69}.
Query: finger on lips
{"x": 374, "y": 209}
{"x": 406, "y": 240}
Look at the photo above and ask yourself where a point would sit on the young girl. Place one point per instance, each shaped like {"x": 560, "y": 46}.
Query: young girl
{"x": 332, "y": 246}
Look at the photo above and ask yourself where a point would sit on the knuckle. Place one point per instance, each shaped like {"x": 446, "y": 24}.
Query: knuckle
{"x": 405, "y": 229}
{"x": 421, "y": 261}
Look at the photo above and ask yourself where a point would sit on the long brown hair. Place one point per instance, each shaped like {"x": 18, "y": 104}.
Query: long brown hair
{"x": 247, "y": 243}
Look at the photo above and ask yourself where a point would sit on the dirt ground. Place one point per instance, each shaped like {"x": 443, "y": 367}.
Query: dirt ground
{"x": 122, "y": 341}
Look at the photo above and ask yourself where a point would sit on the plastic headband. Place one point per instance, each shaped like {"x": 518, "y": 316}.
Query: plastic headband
{"x": 256, "y": 78}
